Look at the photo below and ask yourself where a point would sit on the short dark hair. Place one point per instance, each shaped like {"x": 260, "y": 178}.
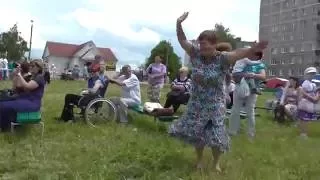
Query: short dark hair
{"x": 296, "y": 80}
{"x": 208, "y": 35}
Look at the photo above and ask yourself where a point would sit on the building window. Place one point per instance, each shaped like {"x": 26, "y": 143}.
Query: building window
{"x": 303, "y": 12}
{"x": 274, "y": 51}
{"x": 302, "y": 36}
{"x": 300, "y": 71}
{"x": 291, "y": 37}
{"x": 282, "y": 38}
{"x": 294, "y": 13}
{"x": 291, "y": 49}
{"x": 314, "y": 46}
{"x": 303, "y": 23}
{"x": 289, "y": 72}
{"x": 271, "y": 72}
{"x": 292, "y": 60}
{"x": 299, "y": 60}
{"x": 280, "y": 72}
{"x": 273, "y": 61}
{"x": 293, "y": 26}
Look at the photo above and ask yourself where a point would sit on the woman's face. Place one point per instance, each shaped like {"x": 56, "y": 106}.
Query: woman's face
{"x": 157, "y": 59}
{"x": 206, "y": 48}
{"x": 34, "y": 69}
{"x": 183, "y": 73}
{"x": 293, "y": 83}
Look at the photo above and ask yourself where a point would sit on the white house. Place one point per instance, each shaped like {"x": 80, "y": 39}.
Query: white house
{"x": 65, "y": 56}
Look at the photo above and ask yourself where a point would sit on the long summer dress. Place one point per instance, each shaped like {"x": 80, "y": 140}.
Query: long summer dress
{"x": 203, "y": 121}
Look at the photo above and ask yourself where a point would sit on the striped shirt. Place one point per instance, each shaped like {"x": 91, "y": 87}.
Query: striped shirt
{"x": 180, "y": 82}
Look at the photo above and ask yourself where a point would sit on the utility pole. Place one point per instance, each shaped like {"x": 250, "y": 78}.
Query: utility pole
{"x": 30, "y": 40}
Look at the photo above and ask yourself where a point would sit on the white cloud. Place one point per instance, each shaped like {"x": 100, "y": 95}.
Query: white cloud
{"x": 23, "y": 18}
{"x": 119, "y": 17}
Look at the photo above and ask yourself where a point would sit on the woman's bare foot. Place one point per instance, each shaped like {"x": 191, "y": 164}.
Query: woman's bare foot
{"x": 217, "y": 168}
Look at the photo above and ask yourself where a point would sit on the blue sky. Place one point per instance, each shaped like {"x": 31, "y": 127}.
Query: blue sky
{"x": 130, "y": 28}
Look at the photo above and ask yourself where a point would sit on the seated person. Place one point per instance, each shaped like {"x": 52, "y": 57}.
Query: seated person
{"x": 238, "y": 73}
{"x": 97, "y": 85}
{"x": 272, "y": 103}
{"x": 27, "y": 101}
{"x": 130, "y": 95}
{"x": 289, "y": 98}
{"x": 180, "y": 90}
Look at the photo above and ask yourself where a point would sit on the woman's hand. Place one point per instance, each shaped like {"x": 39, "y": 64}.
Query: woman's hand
{"x": 183, "y": 17}
{"x": 249, "y": 75}
{"x": 17, "y": 71}
{"x": 259, "y": 46}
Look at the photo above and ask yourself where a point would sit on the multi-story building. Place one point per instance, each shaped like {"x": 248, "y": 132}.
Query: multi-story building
{"x": 292, "y": 28}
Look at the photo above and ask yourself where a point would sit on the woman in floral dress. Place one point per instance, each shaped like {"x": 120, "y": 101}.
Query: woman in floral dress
{"x": 203, "y": 122}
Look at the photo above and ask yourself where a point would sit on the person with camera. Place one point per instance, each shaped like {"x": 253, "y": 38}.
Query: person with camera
{"x": 27, "y": 101}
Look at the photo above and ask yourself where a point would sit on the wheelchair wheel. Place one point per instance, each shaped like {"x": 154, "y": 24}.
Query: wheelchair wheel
{"x": 98, "y": 111}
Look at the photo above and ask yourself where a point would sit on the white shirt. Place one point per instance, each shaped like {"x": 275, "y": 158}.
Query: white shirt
{"x": 5, "y": 64}
{"x": 131, "y": 90}
{"x": 308, "y": 86}
{"x": 231, "y": 87}
{"x": 241, "y": 64}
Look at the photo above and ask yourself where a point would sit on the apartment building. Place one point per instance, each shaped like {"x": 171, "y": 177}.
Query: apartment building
{"x": 292, "y": 28}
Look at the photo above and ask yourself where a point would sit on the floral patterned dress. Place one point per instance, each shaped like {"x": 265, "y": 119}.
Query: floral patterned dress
{"x": 203, "y": 122}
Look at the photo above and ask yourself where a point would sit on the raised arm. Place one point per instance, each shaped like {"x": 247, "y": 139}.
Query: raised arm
{"x": 185, "y": 44}
{"x": 241, "y": 53}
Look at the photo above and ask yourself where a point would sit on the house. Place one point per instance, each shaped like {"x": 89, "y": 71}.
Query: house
{"x": 66, "y": 56}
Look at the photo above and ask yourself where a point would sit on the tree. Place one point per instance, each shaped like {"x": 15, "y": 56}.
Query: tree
{"x": 224, "y": 35}
{"x": 165, "y": 50}
{"x": 12, "y": 45}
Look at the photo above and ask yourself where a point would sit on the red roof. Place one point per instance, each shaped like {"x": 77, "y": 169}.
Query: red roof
{"x": 68, "y": 50}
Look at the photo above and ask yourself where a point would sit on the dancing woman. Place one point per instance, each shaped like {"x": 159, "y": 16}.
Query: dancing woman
{"x": 203, "y": 122}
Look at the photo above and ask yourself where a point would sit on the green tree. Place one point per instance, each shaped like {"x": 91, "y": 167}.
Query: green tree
{"x": 12, "y": 45}
{"x": 165, "y": 50}
{"x": 224, "y": 35}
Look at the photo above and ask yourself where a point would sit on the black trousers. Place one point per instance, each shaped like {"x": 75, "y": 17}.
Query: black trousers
{"x": 176, "y": 101}
{"x": 47, "y": 76}
{"x": 229, "y": 106}
{"x": 71, "y": 100}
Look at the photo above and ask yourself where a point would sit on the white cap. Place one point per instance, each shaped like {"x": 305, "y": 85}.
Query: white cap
{"x": 310, "y": 70}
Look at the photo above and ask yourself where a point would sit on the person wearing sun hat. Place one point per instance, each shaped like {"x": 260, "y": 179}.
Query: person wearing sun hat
{"x": 309, "y": 97}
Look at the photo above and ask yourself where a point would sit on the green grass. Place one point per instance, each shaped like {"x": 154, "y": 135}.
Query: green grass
{"x": 142, "y": 150}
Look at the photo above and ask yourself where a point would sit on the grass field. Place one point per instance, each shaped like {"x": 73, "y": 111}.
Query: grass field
{"x": 143, "y": 151}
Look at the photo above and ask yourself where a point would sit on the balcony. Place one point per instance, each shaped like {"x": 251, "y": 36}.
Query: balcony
{"x": 317, "y": 52}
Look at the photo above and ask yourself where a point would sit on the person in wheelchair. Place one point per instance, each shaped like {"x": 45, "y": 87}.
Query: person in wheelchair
{"x": 97, "y": 86}
{"x": 28, "y": 99}
{"x": 289, "y": 99}
{"x": 130, "y": 95}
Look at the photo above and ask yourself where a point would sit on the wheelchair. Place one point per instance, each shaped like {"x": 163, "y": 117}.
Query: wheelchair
{"x": 96, "y": 109}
